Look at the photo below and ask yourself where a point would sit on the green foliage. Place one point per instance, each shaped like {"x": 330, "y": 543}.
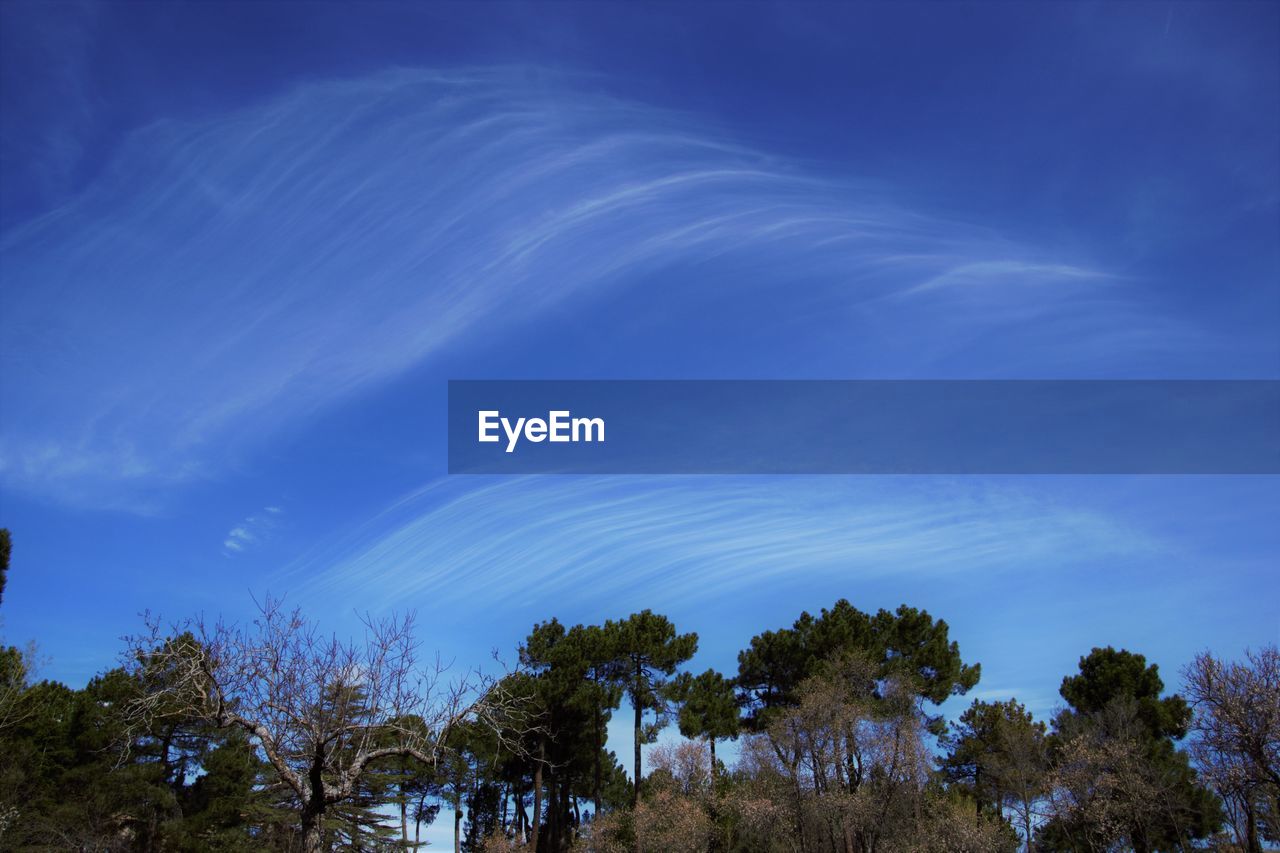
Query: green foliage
{"x": 648, "y": 652}
{"x": 997, "y": 756}
{"x": 411, "y": 789}
{"x": 228, "y": 806}
{"x": 708, "y": 707}
{"x": 67, "y": 754}
{"x": 76, "y": 773}
{"x": 836, "y": 753}
{"x": 6, "y": 545}
{"x": 575, "y": 686}
{"x": 1116, "y": 758}
{"x": 907, "y": 644}
{"x": 1107, "y": 675}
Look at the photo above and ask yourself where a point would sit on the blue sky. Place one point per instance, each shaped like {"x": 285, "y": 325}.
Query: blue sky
{"x": 244, "y": 246}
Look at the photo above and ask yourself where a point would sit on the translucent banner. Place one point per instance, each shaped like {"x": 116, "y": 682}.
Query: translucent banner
{"x": 864, "y": 427}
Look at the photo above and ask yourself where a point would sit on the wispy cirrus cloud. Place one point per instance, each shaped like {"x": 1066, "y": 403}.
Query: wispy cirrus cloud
{"x": 251, "y": 531}
{"x": 689, "y": 538}
{"x": 229, "y": 277}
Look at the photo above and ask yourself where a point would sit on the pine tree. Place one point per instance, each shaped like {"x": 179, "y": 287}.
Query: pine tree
{"x": 999, "y": 754}
{"x": 709, "y": 709}
{"x": 1120, "y": 777}
{"x": 907, "y": 645}
{"x": 649, "y": 651}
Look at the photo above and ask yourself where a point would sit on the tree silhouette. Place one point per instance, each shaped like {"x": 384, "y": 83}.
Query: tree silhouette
{"x": 321, "y": 710}
{"x": 649, "y": 651}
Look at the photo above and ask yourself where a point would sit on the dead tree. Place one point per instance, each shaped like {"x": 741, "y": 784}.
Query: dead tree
{"x": 321, "y": 710}
{"x": 1237, "y": 738}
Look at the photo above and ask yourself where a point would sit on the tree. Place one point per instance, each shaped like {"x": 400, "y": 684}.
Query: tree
{"x": 649, "y": 651}
{"x": 412, "y": 788}
{"x": 320, "y": 710}
{"x": 1236, "y": 726}
{"x": 603, "y": 672}
{"x": 709, "y": 709}
{"x": 848, "y": 767}
{"x": 570, "y": 675}
{"x": 839, "y": 699}
{"x": 1000, "y": 753}
{"x": 908, "y": 644}
{"x": 15, "y": 663}
{"x": 6, "y": 545}
{"x": 562, "y": 723}
{"x": 15, "y": 670}
{"x": 86, "y": 781}
{"x": 1118, "y": 776}
{"x": 674, "y": 814}
{"x": 229, "y": 806}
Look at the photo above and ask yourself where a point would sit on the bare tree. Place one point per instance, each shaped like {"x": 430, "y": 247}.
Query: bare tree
{"x": 851, "y": 756}
{"x": 1022, "y": 765}
{"x": 1101, "y": 788}
{"x": 1237, "y": 737}
{"x": 1112, "y": 789}
{"x": 16, "y": 666}
{"x": 321, "y": 710}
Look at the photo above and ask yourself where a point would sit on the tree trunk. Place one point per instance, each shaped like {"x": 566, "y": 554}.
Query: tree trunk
{"x": 535, "y": 823}
{"x": 165, "y": 746}
{"x": 598, "y": 784}
{"x": 457, "y": 821}
{"x": 522, "y": 819}
{"x": 313, "y": 829}
{"x": 1252, "y": 844}
{"x": 551, "y": 839}
{"x": 404, "y": 814}
{"x": 312, "y": 837}
{"x": 635, "y": 698}
{"x": 506, "y": 799}
{"x": 713, "y": 804}
{"x": 313, "y": 807}
{"x": 799, "y": 807}
{"x": 570, "y": 809}
{"x": 977, "y": 796}
{"x": 564, "y": 820}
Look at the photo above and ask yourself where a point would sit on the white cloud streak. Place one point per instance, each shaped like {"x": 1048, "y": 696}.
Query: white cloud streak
{"x": 228, "y": 278}
{"x": 593, "y": 540}
{"x": 252, "y": 531}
